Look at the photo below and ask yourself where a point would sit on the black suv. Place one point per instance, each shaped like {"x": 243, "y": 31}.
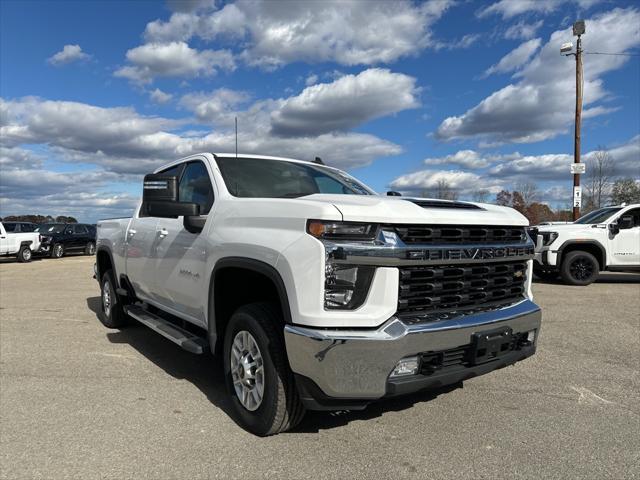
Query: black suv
{"x": 61, "y": 238}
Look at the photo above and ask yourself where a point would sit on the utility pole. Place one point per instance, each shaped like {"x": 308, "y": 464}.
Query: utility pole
{"x": 577, "y": 192}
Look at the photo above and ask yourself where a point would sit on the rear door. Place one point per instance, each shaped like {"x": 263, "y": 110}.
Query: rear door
{"x": 181, "y": 260}
{"x": 81, "y": 236}
{"x": 4, "y": 241}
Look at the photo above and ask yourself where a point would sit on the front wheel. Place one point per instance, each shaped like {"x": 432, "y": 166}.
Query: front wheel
{"x": 259, "y": 381}
{"x": 579, "y": 268}
{"x": 90, "y": 249}
{"x": 25, "y": 254}
{"x": 545, "y": 274}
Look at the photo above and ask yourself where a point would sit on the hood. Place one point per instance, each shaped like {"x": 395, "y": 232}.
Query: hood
{"x": 379, "y": 209}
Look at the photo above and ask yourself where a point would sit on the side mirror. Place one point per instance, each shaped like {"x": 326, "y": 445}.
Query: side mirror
{"x": 391, "y": 193}
{"x": 625, "y": 222}
{"x": 160, "y": 198}
{"x": 614, "y": 229}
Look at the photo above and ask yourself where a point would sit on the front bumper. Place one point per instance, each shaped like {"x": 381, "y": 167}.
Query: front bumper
{"x": 344, "y": 367}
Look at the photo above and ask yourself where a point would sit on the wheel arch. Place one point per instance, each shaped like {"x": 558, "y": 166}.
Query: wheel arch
{"x": 591, "y": 246}
{"x": 104, "y": 262}
{"x": 255, "y": 271}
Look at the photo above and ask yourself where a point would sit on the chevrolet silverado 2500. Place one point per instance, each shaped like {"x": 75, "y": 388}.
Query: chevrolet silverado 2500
{"x": 605, "y": 239}
{"x": 22, "y": 245}
{"x": 316, "y": 292}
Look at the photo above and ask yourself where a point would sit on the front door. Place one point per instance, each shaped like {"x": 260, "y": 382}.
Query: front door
{"x": 141, "y": 244}
{"x": 624, "y": 247}
{"x": 182, "y": 255}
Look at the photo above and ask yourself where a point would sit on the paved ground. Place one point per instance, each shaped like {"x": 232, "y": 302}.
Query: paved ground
{"x": 80, "y": 401}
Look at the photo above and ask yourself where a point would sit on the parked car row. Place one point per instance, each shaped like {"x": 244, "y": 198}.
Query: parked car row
{"x": 24, "y": 240}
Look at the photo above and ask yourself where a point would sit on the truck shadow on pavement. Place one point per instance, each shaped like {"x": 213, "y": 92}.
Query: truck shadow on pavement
{"x": 205, "y": 373}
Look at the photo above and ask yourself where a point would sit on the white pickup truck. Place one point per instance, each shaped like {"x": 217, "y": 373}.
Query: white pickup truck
{"x": 21, "y": 245}
{"x": 605, "y": 239}
{"x": 317, "y": 292}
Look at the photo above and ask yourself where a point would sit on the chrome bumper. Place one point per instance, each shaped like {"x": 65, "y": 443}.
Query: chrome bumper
{"x": 355, "y": 364}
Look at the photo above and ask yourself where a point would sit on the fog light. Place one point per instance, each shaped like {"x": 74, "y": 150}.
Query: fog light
{"x": 406, "y": 366}
{"x": 531, "y": 336}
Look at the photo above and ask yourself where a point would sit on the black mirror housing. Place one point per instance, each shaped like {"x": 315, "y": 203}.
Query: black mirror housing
{"x": 171, "y": 209}
{"x": 625, "y": 222}
{"x": 613, "y": 228}
{"x": 392, "y": 193}
{"x": 160, "y": 198}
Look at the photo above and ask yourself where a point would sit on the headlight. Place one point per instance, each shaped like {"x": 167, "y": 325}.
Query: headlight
{"x": 548, "y": 237}
{"x": 328, "y": 230}
{"x": 346, "y": 286}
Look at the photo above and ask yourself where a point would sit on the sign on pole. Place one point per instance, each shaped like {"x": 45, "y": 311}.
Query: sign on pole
{"x": 578, "y": 168}
{"x": 577, "y": 197}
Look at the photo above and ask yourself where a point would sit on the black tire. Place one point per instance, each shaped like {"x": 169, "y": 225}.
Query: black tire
{"x": 57, "y": 251}
{"x": 112, "y": 314}
{"x": 280, "y": 408}
{"x": 90, "y": 249}
{"x": 545, "y": 274}
{"x": 24, "y": 254}
{"x": 579, "y": 268}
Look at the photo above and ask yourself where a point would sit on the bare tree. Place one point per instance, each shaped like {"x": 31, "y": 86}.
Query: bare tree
{"x": 481, "y": 195}
{"x": 528, "y": 191}
{"x": 600, "y": 170}
{"x": 444, "y": 191}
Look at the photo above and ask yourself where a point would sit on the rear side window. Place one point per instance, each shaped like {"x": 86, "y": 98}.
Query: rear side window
{"x": 79, "y": 229}
{"x": 195, "y": 186}
{"x": 27, "y": 227}
{"x": 11, "y": 227}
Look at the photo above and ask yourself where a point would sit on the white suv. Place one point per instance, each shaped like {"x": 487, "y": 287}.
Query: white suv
{"x": 605, "y": 239}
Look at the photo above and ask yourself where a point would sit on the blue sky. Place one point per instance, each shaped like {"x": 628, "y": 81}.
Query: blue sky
{"x": 401, "y": 94}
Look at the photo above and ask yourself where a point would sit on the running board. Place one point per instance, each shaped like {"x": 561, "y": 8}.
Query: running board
{"x": 187, "y": 340}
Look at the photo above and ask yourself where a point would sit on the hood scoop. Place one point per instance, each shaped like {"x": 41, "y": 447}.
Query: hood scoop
{"x": 443, "y": 204}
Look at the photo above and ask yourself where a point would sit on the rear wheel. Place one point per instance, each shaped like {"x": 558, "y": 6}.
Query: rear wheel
{"x": 57, "y": 251}
{"x": 579, "y": 268}
{"x": 25, "y": 254}
{"x": 113, "y": 315}
{"x": 259, "y": 381}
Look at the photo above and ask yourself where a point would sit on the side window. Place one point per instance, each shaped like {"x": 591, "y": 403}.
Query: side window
{"x": 636, "y": 216}
{"x": 27, "y": 227}
{"x": 79, "y": 229}
{"x": 195, "y": 186}
{"x": 11, "y": 227}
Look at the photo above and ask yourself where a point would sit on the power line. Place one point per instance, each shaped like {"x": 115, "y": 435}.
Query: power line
{"x": 615, "y": 54}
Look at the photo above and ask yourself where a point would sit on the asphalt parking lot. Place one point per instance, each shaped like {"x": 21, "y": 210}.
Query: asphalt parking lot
{"x": 81, "y": 401}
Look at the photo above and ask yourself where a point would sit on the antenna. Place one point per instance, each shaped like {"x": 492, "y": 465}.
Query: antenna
{"x": 236, "y": 137}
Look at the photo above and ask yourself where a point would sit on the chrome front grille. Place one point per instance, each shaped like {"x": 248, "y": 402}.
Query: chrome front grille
{"x": 446, "y": 288}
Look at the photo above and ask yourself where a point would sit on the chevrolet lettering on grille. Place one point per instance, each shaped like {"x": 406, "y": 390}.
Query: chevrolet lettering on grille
{"x": 470, "y": 253}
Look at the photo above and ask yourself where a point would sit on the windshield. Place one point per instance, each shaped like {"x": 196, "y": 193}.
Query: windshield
{"x": 260, "y": 178}
{"x": 598, "y": 216}
{"x": 50, "y": 228}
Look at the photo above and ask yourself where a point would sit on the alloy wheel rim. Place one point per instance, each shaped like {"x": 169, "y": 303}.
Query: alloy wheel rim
{"x": 106, "y": 298}
{"x": 27, "y": 254}
{"x": 247, "y": 370}
{"x": 92, "y": 249}
{"x": 58, "y": 252}
{"x": 581, "y": 269}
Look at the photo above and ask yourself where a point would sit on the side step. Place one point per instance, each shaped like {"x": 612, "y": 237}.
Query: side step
{"x": 187, "y": 340}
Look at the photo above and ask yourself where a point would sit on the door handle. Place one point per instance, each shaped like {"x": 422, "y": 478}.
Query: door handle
{"x": 131, "y": 232}
{"x": 163, "y": 232}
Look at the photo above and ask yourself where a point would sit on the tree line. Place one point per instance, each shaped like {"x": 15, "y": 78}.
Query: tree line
{"x": 39, "y": 219}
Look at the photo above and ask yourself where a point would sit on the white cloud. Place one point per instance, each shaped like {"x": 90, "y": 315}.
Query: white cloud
{"x": 345, "y": 103}
{"x": 68, "y": 54}
{"x": 280, "y": 32}
{"x": 540, "y": 104}
{"x": 516, "y": 58}
{"x": 158, "y": 96}
{"x": 174, "y": 59}
{"x": 215, "y": 107}
{"x": 463, "y": 158}
{"x": 311, "y": 80}
{"x": 464, "y": 183}
{"x": 523, "y": 30}
{"x": 511, "y": 8}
